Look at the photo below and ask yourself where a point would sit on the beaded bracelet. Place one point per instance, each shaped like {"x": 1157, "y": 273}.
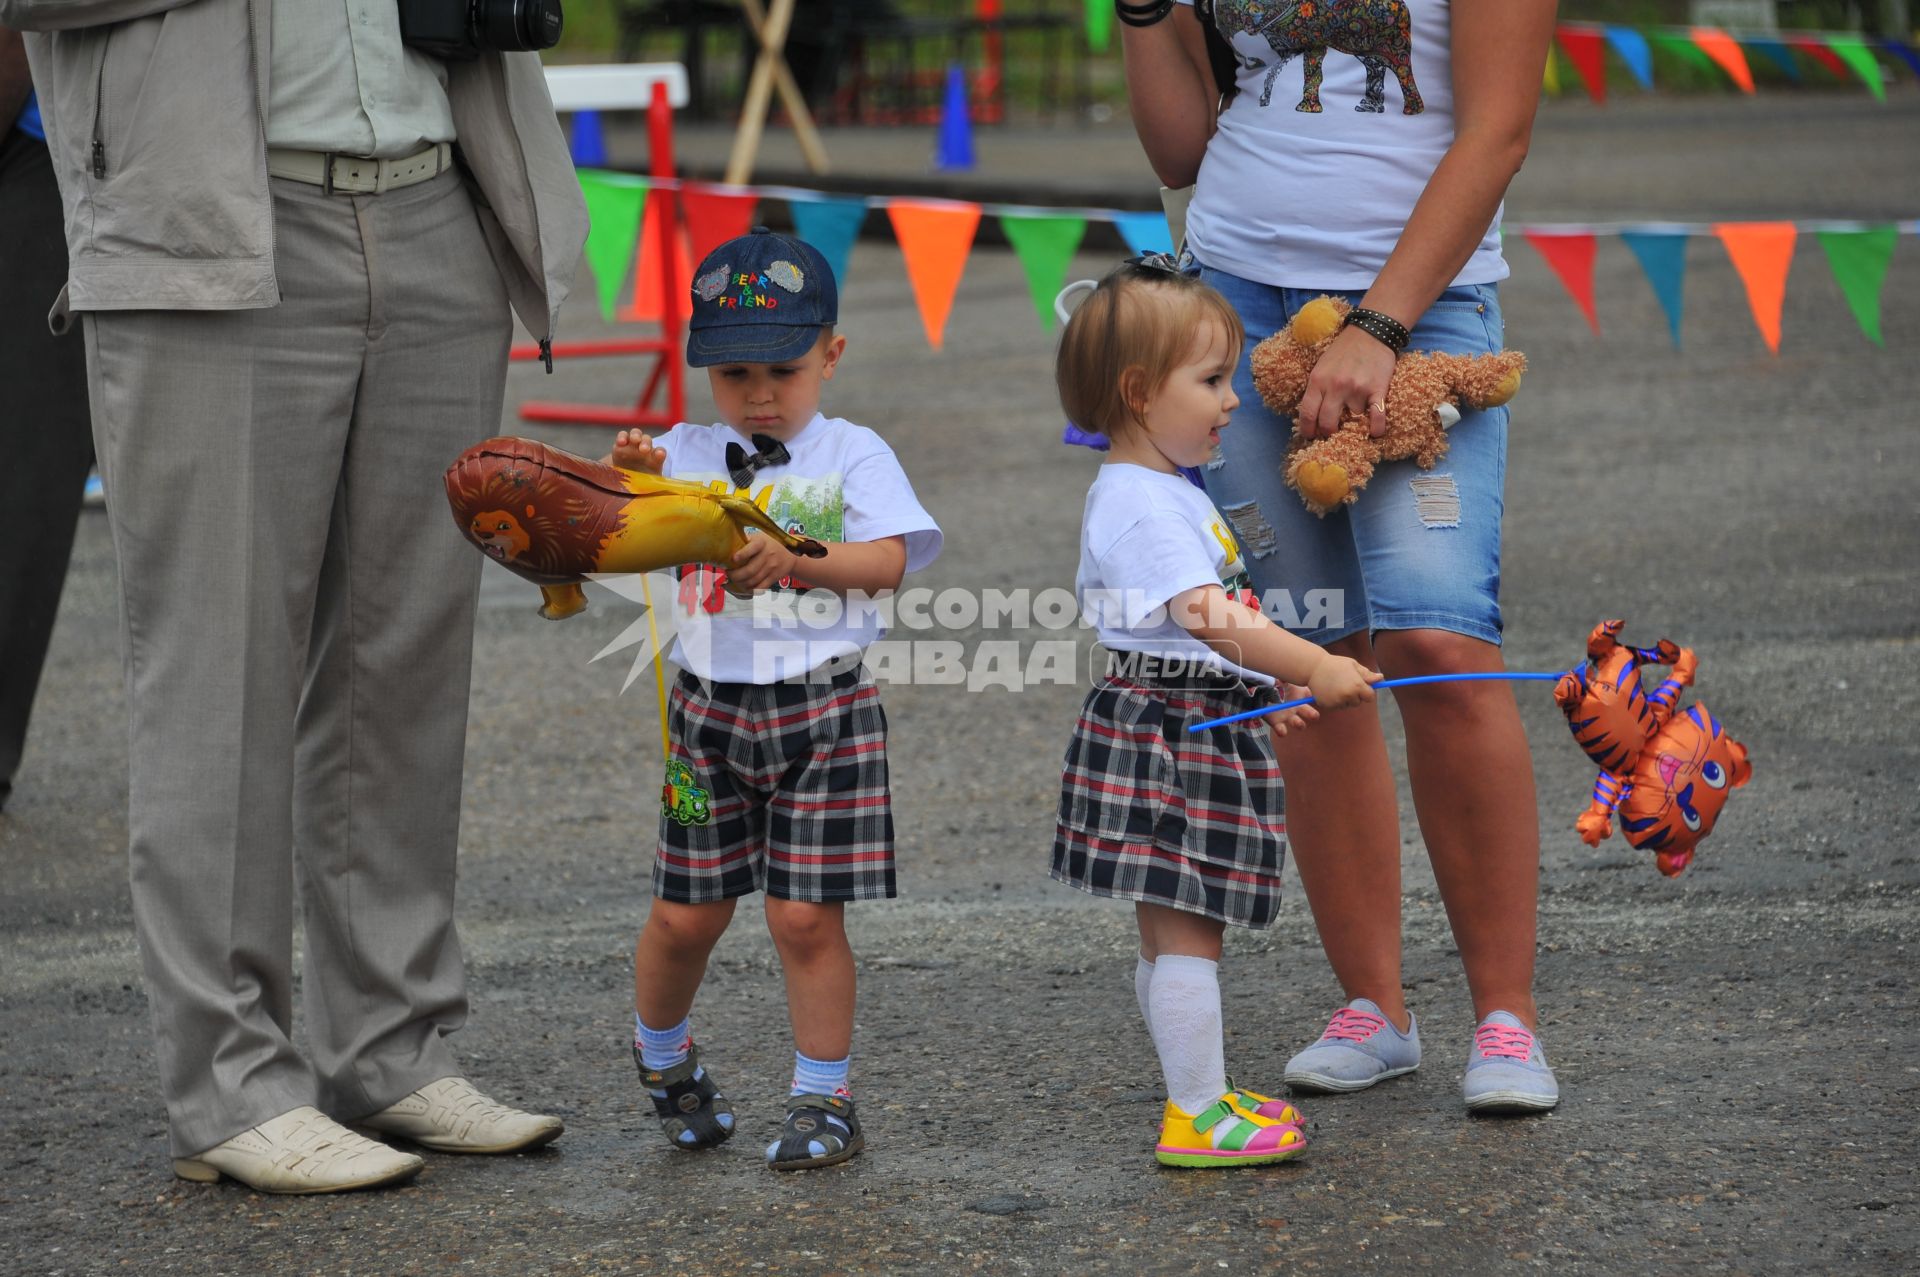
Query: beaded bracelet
{"x": 1142, "y": 15}
{"x": 1385, "y": 329}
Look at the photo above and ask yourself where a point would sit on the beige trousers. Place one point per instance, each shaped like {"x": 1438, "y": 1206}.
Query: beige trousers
{"x": 297, "y": 612}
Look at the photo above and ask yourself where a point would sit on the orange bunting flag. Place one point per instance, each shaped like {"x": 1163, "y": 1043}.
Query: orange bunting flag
{"x": 1761, "y": 253}
{"x": 649, "y": 277}
{"x": 1571, "y": 257}
{"x": 1586, "y": 48}
{"x": 1723, "y": 49}
{"x": 935, "y": 237}
{"x": 714, "y": 216}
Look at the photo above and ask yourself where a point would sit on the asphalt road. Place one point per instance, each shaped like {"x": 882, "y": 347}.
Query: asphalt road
{"x": 1737, "y": 1048}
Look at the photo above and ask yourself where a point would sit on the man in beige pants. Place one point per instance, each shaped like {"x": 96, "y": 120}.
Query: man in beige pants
{"x": 293, "y": 243}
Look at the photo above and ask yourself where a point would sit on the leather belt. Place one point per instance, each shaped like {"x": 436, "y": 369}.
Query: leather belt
{"x": 359, "y": 174}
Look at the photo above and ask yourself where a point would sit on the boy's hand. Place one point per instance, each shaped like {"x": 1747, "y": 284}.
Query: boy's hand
{"x": 1292, "y": 720}
{"x": 633, "y": 450}
{"x": 1339, "y": 682}
{"x": 761, "y": 564}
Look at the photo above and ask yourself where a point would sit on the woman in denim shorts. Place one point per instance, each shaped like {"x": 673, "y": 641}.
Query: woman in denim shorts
{"x": 1362, "y": 148}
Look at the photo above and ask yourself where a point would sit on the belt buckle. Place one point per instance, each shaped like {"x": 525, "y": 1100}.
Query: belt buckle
{"x": 326, "y": 171}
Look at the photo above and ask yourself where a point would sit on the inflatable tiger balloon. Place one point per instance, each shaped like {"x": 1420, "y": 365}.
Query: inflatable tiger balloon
{"x": 1665, "y": 774}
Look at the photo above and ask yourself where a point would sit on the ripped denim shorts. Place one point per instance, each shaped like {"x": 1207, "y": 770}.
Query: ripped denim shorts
{"x": 1419, "y": 549}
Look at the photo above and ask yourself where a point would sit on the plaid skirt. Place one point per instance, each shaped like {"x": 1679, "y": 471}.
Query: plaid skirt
{"x": 1151, "y": 813}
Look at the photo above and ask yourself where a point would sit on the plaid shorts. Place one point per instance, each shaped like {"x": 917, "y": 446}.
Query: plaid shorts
{"x": 1151, "y": 813}
{"x": 780, "y": 787}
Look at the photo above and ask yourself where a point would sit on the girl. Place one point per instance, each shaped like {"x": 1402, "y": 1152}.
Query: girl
{"x": 1188, "y": 827}
{"x": 1324, "y": 173}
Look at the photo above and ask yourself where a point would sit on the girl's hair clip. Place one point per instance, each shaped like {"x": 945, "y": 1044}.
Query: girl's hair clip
{"x": 1155, "y": 261}
{"x": 1066, "y": 295}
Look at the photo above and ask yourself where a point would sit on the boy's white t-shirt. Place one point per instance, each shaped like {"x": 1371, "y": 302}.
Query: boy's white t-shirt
{"x": 1147, "y": 536}
{"x": 1301, "y": 199}
{"x": 842, "y": 484}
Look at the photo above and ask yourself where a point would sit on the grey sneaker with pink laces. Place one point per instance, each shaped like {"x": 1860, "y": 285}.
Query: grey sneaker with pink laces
{"x": 1360, "y": 1047}
{"x": 1507, "y": 1071}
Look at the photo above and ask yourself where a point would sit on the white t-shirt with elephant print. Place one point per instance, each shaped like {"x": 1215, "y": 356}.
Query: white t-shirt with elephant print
{"x": 1309, "y": 185}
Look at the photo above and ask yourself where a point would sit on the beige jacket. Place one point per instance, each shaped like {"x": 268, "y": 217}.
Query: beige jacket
{"x": 156, "y": 114}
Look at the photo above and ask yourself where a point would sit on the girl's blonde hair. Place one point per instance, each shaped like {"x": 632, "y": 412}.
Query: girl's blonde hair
{"x": 1126, "y": 339}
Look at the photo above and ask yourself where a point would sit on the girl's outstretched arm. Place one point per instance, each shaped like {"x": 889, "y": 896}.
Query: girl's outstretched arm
{"x": 1250, "y": 640}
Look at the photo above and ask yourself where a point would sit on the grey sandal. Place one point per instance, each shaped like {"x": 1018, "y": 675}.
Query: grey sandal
{"x": 691, "y": 1109}
{"x": 819, "y": 1131}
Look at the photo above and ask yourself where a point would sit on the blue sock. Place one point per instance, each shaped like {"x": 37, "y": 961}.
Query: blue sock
{"x": 662, "y": 1048}
{"x": 820, "y": 1077}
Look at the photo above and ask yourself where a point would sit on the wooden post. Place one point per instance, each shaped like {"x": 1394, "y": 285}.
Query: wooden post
{"x": 771, "y": 67}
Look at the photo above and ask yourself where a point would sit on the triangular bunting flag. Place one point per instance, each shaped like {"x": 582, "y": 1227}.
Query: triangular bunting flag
{"x": 1679, "y": 46}
{"x": 1761, "y": 253}
{"x": 1571, "y": 257}
{"x": 1633, "y": 50}
{"x": 1905, "y": 52}
{"x": 1853, "y": 51}
{"x": 830, "y": 226}
{"x": 1859, "y": 260}
{"x": 1663, "y": 256}
{"x": 712, "y": 217}
{"x": 1816, "y": 48}
{"x": 1725, "y": 51}
{"x": 1099, "y": 25}
{"x": 1586, "y": 48}
{"x": 1781, "y": 56}
{"x": 649, "y": 277}
{"x": 935, "y": 237}
{"x": 614, "y": 201}
{"x": 1550, "y": 78}
{"x": 1145, "y": 232}
{"x": 1045, "y": 247}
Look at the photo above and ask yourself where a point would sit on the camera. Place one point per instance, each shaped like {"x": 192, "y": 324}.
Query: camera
{"x": 463, "y": 28}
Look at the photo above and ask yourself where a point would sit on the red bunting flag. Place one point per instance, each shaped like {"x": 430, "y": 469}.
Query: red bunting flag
{"x": 715, "y": 215}
{"x": 935, "y": 237}
{"x": 1723, "y": 49}
{"x": 1761, "y": 253}
{"x": 1586, "y": 48}
{"x": 1571, "y": 256}
{"x": 1816, "y": 48}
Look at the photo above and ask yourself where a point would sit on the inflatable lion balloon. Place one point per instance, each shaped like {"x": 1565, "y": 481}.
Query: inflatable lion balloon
{"x": 555, "y": 518}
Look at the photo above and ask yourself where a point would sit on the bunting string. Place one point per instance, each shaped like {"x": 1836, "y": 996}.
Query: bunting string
{"x": 936, "y": 237}
{"x": 1843, "y": 55}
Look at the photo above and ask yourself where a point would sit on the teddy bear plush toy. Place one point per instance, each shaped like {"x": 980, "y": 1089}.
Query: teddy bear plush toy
{"x": 1423, "y": 398}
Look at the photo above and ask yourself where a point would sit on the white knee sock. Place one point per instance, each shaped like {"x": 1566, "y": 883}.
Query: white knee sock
{"x": 1142, "y": 981}
{"x": 1184, "y": 1014}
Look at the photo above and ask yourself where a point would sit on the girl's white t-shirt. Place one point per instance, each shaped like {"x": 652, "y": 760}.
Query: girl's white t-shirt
{"x": 1147, "y": 536}
{"x": 842, "y": 483}
{"x": 1303, "y": 199}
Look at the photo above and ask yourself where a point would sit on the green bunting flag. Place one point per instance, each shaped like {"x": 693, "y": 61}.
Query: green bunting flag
{"x": 1853, "y": 51}
{"x": 1045, "y": 247}
{"x": 1680, "y": 46}
{"x": 1859, "y": 260}
{"x": 614, "y": 204}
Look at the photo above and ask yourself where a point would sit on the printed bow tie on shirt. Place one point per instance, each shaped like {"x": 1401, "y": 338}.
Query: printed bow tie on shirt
{"x": 741, "y": 467}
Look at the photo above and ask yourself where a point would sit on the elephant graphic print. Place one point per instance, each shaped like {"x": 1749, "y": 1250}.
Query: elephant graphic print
{"x": 1377, "y": 33}
{"x": 1341, "y": 111}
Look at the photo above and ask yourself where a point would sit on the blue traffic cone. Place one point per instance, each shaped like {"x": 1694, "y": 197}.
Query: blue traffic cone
{"x": 589, "y": 145}
{"x": 954, "y": 149}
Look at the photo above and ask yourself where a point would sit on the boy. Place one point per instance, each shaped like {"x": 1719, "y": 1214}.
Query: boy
{"x": 778, "y": 776}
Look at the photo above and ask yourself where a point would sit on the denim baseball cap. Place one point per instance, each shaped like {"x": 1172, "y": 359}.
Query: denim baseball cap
{"x": 760, "y": 299}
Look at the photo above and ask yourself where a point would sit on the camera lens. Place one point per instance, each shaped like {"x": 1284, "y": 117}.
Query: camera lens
{"x": 517, "y": 24}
